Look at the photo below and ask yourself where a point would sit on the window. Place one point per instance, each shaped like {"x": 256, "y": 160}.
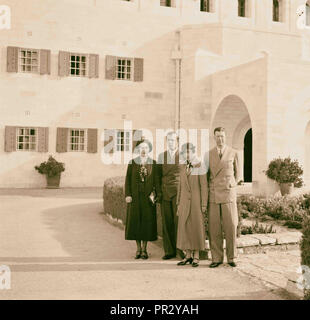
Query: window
{"x": 242, "y": 8}
{"x": 205, "y": 5}
{"x": 122, "y": 140}
{"x": 165, "y": 3}
{"x": 77, "y": 140}
{"x": 28, "y": 60}
{"x": 276, "y": 11}
{"x": 308, "y": 13}
{"x": 124, "y": 69}
{"x": 26, "y": 139}
{"x": 78, "y": 65}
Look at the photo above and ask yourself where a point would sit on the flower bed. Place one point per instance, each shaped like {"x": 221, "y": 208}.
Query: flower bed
{"x": 290, "y": 211}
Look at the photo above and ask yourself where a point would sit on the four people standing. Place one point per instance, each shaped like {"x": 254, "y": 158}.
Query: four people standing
{"x": 186, "y": 187}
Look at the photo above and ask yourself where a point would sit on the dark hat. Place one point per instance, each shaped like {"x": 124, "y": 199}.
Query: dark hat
{"x": 147, "y": 142}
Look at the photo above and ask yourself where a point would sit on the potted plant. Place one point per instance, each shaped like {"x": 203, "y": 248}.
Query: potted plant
{"x": 287, "y": 173}
{"x": 52, "y": 170}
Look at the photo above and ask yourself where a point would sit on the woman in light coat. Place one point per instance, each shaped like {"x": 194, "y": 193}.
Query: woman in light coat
{"x": 192, "y": 202}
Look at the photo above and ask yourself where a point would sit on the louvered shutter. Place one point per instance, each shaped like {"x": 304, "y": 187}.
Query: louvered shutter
{"x": 42, "y": 139}
{"x": 63, "y": 63}
{"x": 45, "y": 61}
{"x": 110, "y": 67}
{"x": 92, "y": 140}
{"x": 12, "y": 59}
{"x": 109, "y": 140}
{"x": 138, "y": 69}
{"x": 93, "y": 66}
{"x": 10, "y": 139}
{"x": 62, "y": 140}
{"x": 136, "y": 136}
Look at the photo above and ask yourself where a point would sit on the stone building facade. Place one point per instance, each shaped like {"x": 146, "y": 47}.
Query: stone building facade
{"x": 72, "y": 71}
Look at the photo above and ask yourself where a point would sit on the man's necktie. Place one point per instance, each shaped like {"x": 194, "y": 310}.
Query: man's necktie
{"x": 220, "y": 154}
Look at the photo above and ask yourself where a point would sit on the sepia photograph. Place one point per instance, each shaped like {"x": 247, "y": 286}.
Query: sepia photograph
{"x": 155, "y": 154}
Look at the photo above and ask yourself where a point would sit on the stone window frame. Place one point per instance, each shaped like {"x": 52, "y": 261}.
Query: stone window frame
{"x": 78, "y": 144}
{"x": 23, "y": 136}
{"x": 23, "y": 55}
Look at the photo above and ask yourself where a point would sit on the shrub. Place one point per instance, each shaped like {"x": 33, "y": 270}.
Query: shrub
{"x": 305, "y": 253}
{"x": 293, "y": 209}
{"x": 257, "y": 228}
{"x": 51, "y": 167}
{"x": 285, "y": 171}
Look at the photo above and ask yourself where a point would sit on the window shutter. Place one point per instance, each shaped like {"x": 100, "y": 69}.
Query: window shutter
{"x": 92, "y": 140}
{"x": 12, "y": 59}
{"x": 136, "y": 136}
{"x": 110, "y": 67}
{"x": 62, "y": 140}
{"x": 93, "y": 66}
{"x": 138, "y": 69}
{"x": 45, "y": 61}
{"x": 42, "y": 139}
{"x": 109, "y": 140}
{"x": 64, "y": 64}
{"x": 10, "y": 139}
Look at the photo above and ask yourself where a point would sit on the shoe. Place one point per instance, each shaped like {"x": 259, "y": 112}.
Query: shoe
{"x": 185, "y": 261}
{"x": 232, "y": 264}
{"x": 144, "y": 255}
{"x": 168, "y": 256}
{"x": 138, "y": 255}
{"x": 195, "y": 263}
{"x": 215, "y": 264}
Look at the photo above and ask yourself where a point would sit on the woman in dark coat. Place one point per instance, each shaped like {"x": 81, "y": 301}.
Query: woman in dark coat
{"x": 141, "y": 186}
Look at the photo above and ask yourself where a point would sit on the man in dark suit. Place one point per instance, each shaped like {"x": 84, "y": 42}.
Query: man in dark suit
{"x": 169, "y": 173}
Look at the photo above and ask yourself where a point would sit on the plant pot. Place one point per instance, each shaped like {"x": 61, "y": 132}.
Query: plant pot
{"x": 53, "y": 182}
{"x": 286, "y": 188}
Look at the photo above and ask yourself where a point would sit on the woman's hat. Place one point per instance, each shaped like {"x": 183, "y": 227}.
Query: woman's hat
{"x": 147, "y": 142}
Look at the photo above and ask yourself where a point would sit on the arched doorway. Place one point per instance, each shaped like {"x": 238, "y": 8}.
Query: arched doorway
{"x": 247, "y": 157}
{"x": 233, "y": 115}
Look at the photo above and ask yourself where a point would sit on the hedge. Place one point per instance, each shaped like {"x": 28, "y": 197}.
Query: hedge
{"x": 305, "y": 254}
